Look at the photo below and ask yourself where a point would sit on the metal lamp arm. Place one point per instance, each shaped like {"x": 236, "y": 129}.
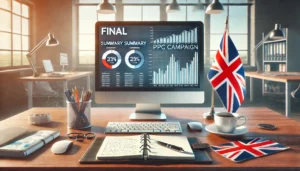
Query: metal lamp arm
{"x": 37, "y": 47}
{"x": 262, "y": 41}
{"x": 259, "y": 69}
{"x": 29, "y": 55}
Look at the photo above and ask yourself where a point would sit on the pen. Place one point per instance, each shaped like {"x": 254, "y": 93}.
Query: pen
{"x": 82, "y": 94}
{"x": 173, "y": 147}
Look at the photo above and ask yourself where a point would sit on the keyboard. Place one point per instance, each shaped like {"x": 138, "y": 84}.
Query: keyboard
{"x": 58, "y": 74}
{"x": 54, "y": 75}
{"x": 143, "y": 127}
{"x": 63, "y": 73}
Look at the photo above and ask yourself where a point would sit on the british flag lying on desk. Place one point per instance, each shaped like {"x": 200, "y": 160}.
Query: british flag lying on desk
{"x": 239, "y": 151}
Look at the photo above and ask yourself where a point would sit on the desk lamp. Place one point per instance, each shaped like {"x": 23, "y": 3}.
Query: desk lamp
{"x": 50, "y": 41}
{"x": 275, "y": 34}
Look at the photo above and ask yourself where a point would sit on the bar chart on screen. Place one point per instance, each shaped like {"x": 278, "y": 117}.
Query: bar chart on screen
{"x": 173, "y": 61}
{"x": 174, "y": 73}
{"x": 184, "y": 37}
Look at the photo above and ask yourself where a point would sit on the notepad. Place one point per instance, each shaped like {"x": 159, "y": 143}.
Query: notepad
{"x": 25, "y": 146}
{"x": 137, "y": 147}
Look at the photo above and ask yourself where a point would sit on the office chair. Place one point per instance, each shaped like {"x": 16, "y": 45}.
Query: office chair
{"x": 45, "y": 95}
{"x": 42, "y": 90}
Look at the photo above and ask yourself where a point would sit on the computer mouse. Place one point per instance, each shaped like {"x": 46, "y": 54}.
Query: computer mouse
{"x": 194, "y": 126}
{"x": 61, "y": 147}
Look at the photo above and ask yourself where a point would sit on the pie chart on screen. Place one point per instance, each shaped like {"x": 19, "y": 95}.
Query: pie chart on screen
{"x": 134, "y": 59}
{"x": 111, "y": 59}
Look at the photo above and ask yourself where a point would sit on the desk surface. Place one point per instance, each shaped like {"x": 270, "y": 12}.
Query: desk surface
{"x": 44, "y": 77}
{"x": 288, "y": 134}
{"x": 276, "y": 76}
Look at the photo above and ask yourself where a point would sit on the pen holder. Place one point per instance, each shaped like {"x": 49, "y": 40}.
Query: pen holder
{"x": 79, "y": 115}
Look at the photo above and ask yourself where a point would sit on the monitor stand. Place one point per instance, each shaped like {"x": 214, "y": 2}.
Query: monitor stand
{"x": 148, "y": 112}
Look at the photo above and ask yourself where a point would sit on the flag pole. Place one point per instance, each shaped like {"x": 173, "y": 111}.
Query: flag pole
{"x": 210, "y": 115}
{"x": 226, "y": 23}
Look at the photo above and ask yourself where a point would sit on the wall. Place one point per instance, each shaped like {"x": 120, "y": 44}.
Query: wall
{"x": 54, "y": 16}
{"x": 269, "y": 12}
{"x": 13, "y": 98}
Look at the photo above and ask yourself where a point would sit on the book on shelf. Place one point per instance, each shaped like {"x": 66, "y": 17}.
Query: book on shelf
{"x": 144, "y": 147}
{"x": 284, "y": 50}
{"x": 267, "y": 67}
{"x": 26, "y": 146}
{"x": 265, "y": 52}
{"x": 270, "y": 51}
{"x": 275, "y": 51}
{"x": 282, "y": 67}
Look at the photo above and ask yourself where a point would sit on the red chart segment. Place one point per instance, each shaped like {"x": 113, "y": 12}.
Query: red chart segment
{"x": 106, "y": 64}
{"x": 111, "y": 59}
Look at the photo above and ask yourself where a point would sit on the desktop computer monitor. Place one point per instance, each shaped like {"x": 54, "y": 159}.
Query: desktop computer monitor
{"x": 148, "y": 64}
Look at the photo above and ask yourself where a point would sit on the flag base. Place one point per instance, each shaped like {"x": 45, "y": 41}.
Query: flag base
{"x": 210, "y": 115}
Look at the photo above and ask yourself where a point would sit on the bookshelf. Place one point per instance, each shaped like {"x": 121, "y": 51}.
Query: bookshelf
{"x": 275, "y": 59}
{"x": 280, "y": 56}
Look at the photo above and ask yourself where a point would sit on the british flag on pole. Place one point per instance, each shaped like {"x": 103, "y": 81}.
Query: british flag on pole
{"x": 227, "y": 75}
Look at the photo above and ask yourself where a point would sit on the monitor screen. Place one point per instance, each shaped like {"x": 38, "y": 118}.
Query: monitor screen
{"x": 149, "y": 56}
{"x": 48, "y": 66}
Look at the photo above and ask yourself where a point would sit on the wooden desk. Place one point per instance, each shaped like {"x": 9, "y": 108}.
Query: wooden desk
{"x": 288, "y": 134}
{"x": 64, "y": 79}
{"x": 287, "y": 79}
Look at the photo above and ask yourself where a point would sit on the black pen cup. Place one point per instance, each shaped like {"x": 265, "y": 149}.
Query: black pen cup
{"x": 79, "y": 115}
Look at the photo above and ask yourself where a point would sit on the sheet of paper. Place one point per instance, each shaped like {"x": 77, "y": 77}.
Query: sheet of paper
{"x": 121, "y": 146}
{"x": 162, "y": 152}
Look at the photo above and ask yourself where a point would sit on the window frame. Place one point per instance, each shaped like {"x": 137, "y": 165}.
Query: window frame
{"x": 234, "y": 34}
{"x": 21, "y": 34}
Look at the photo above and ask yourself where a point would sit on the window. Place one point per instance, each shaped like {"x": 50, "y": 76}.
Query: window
{"x": 86, "y": 28}
{"x": 132, "y": 13}
{"x": 149, "y": 15}
{"x": 145, "y": 10}
{"x": 179, "y": 15}
{"x": 87, "y": 20}
{"x": 88, "y": 17}
{"x": 14, "y": 33}
{"x": 238, "y": 30}
{"x": 141, "y": 13}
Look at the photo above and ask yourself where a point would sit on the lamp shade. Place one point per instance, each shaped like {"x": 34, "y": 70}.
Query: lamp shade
{"x": 198, "y": 6}
{"x": 173, "y": 7}
{"x": 51, "y": 40}
{"x": 277, "y": 33}
{"x": 214, "y": 8}
{"x": 105, "y": 8}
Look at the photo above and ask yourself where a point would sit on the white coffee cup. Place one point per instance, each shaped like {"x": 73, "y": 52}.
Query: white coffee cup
{"x": 227, "y": 122}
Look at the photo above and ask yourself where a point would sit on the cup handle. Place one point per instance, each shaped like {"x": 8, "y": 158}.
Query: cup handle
{"x": 245, "y": 120}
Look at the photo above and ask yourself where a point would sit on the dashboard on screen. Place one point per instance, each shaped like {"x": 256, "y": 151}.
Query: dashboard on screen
{"x": 149, "y": 56}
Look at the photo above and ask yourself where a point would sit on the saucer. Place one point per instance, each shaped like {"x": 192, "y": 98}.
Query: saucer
{"x": 212, "y": 128}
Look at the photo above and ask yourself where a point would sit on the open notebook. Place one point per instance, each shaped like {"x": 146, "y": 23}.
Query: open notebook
{"x": 141, "y": 148}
